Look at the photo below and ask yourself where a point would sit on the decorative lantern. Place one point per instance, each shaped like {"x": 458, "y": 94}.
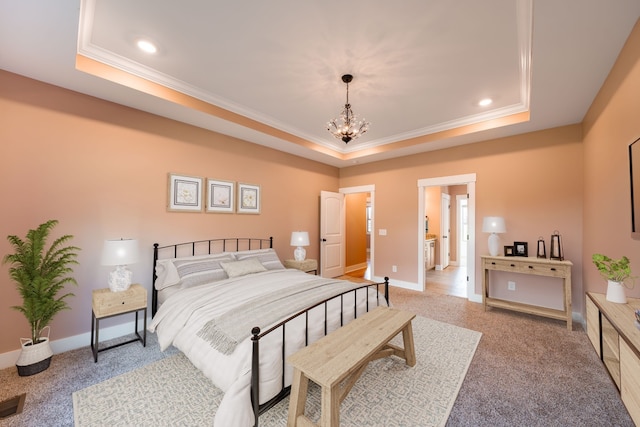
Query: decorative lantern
{"x": 556, "y": 247}
{"x": 542, "y": 250}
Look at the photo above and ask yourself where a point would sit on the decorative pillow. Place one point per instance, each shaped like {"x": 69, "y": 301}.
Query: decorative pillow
{"x": 166, "y": 274}
{"x": 267, "y": 257}
{"x": 242, "y": 268}
{"x": 201, "y": 270}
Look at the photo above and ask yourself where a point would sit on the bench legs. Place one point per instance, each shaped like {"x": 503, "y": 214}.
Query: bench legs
{"x": 333, "y": 395}
{"x": 297, "y": 399}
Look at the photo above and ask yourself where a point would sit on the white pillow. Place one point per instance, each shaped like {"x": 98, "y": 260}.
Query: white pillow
{"x": 166, "y": 273}
{"x": 242, "y": 268}
{"x": 195, "y": 271}
{"x": 267, "y": 257}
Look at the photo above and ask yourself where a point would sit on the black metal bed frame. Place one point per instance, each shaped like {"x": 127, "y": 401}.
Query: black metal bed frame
{"x": 238, "y": 244}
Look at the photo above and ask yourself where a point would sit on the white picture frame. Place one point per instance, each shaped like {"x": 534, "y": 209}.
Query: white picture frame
{"x": 249, "y": 198}
{"x": 221, "y": 196}
{"x": 184, "y": 193}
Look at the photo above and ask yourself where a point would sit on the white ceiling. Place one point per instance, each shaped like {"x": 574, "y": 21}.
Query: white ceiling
{"x": 419, "y": 66}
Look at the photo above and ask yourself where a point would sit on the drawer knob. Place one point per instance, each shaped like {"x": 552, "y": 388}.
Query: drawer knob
{"x": 553, "y": 269}
{"x": 531, "y": 267}
{"x": 493, "y": 263}
{"x": 513, "y": 265}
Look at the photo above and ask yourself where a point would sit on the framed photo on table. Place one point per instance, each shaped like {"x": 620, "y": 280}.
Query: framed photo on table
{"x": 248, "y": 198}
{"x": 508, "y": 251}
{"x": 220, "y": 196}
{"x": 185, "y": 193}
{"x": 520, "y": 249}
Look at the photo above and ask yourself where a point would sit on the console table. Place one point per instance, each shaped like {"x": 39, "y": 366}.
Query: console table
{"x": 531, "y": 266}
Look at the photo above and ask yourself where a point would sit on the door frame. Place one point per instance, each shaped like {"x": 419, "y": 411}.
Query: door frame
{"x": 445, "y": 215}
{"x": 371, "y": 189}
{"x": 470, "y": 181}
{"x": 461, "y": 239}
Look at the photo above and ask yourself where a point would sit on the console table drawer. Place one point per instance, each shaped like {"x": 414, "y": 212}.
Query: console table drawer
{"x": 524, "y": 267}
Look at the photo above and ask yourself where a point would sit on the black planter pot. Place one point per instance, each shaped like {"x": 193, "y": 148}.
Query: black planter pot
{"x": 35, "y": 368}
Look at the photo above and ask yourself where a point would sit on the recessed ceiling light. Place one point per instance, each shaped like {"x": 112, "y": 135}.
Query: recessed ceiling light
{"x": 147, "y": 46}
{"x": 485, "y": 102}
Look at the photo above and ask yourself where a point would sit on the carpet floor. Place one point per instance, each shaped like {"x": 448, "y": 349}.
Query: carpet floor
{"x": 527, "y": 371}
{"x": 172, "y": 392}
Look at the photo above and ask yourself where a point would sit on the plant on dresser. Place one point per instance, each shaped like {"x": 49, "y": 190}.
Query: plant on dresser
{"x": 40, "y": 275}
{"x": 616, "y": 272}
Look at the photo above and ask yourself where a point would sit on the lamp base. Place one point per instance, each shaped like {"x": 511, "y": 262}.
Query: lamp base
{"x": 494, "y": 244}
{"x": 120, "y": 279}
{"x": 299, "y": 254}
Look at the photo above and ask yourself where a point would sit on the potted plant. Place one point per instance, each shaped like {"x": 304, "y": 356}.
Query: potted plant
{"x": 40, "y": 275}
{"x": 616, "y": 272}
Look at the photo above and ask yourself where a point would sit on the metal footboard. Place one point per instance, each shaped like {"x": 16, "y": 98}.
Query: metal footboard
{"x": 257, "y": 335}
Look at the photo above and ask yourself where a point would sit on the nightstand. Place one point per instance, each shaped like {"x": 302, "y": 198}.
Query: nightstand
{"x": 108, "y": 304}
{"x": 307, "y": 265}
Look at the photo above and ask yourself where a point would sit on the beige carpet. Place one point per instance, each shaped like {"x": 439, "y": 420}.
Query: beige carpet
{"x": 172, "y": 392}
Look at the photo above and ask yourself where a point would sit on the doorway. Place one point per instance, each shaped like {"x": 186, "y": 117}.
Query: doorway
{"x": 468, "y": 249}
{"x": 365, "y": 239}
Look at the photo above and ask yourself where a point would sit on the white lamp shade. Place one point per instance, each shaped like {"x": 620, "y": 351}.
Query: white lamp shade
{"x": 120, "y": 252}
{"x": 300, "y": 238}
{"x": 493, "y": 224}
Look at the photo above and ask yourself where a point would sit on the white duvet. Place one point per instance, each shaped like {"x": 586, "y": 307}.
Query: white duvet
{"x": 181, "y": 316}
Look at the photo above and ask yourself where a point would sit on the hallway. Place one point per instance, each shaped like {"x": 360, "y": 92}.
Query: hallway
{"x": 450, "y": 281}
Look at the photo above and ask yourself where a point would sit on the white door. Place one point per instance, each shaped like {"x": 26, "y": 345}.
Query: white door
{"x": 332, "y": 226}
{"x": 445, "y": 231}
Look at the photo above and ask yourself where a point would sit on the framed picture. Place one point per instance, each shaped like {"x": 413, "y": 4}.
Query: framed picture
{"x": 220, "y": 196}
{"x": 508, "y": 251}
{"x": 520, "y": 249}
{"x": 248, "y": 198}
{"x": 185, "y": 193}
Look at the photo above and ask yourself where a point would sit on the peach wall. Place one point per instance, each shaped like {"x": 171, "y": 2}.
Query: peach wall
{"x": 612, "y": 123}
{"x": 534, "y": 180}
{"x": 101, "y": 170}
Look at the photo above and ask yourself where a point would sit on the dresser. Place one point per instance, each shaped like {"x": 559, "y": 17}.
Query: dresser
{"x": 613, "y": 332}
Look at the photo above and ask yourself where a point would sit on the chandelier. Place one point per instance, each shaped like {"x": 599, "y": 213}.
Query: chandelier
{"x": 347, "y": 126}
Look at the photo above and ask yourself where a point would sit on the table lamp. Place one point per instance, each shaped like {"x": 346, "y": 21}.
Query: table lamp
{"x": 493, "y": 225}
{"x": 299, "y": 239}
{"x": 120, "y": 253}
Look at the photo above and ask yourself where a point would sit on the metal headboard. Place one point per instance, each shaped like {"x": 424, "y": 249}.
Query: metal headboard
{"x": 202, "y": 247}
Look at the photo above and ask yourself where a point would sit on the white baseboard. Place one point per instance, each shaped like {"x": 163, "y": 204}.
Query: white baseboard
{"x": 9, "y": 359}
{"x": 355, "y": 267}
{"x": 476, "y": 298}
{"x": 399, "y": 283}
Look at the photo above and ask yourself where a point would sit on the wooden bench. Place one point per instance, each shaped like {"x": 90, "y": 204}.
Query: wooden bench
{"x": 336, "y": 361}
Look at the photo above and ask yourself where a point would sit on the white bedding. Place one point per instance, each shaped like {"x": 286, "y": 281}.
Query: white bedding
{"x": 183, "y": 314}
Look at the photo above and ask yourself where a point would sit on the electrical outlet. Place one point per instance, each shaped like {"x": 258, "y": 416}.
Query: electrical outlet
{"x": 394, "y": 268}
{"x": 511, "y": 285}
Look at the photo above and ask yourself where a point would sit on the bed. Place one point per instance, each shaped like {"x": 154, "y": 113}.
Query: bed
{"x": 233, "y": 309}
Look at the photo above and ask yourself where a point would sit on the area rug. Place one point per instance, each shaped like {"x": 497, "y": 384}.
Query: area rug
{"x": 171, "y": 392}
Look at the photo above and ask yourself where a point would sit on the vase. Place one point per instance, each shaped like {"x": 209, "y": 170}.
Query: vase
{"x": 34, "y": 358}
{"x": 615, "y": 292}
